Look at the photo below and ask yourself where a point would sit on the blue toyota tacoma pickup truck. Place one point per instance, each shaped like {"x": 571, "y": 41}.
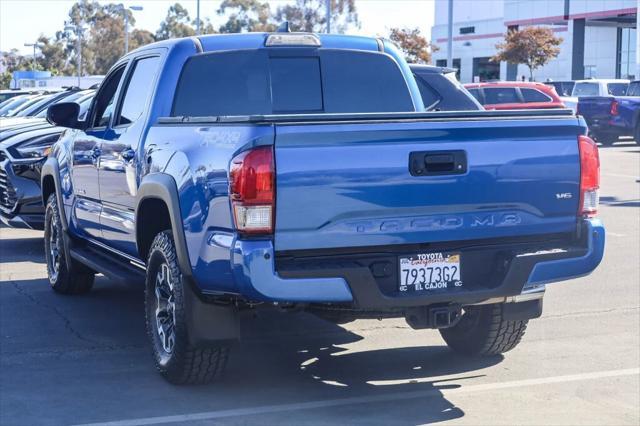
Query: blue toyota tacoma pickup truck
{"x": 611, "y": 117}
{"x": 236, "y": 172}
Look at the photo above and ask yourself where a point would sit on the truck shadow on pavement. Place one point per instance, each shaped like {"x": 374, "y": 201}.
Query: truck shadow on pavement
{"x": 22, "y": 249}
{"x": 99, "y": 340}
{"x": 616, "y": 202}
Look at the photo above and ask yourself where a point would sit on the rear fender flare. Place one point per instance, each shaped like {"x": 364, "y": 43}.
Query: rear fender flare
{"x": 162, "y": 186}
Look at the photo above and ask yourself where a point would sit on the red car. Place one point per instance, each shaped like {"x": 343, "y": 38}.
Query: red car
{"x": 515, "y": 95}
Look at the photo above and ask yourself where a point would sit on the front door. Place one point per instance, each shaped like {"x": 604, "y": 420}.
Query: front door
{"x": 86, "y": 157}
{"x": 120, "y": 155}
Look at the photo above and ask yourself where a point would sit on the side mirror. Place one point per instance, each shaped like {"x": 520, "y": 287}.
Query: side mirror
{"x": 65, "y": 114}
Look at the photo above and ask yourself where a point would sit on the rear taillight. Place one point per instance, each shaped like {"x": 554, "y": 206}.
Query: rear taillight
{"x": 589, "y": 177}
{"x": 614, "y": 108}
{"x": 252, "y": 190}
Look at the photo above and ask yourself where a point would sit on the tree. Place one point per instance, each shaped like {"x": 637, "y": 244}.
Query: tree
{"x": 138, "y": 38}
{"x": 54, "y": 55}
{"x": 12, "y": 61}
{"x": 176, "y": 24}
{"x": 311, "y": 16}
{"x": 415, "y": 46}
{"x": 246, "y": 16}
{"x": 532, "y": 46}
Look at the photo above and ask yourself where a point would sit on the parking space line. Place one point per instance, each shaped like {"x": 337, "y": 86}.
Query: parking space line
{"x": 267, "y": 409}
{"x": 619, "y": 175}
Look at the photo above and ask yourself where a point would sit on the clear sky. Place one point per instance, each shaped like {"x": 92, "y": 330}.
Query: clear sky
{"x": 22, "y": 21}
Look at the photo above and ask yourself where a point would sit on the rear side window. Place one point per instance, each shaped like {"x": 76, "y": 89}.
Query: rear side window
{"x": 533, "y": 95}
{"x": 501, "y": 95}
{"x": 429, "y": 96}
{"x": 327, "y": 81}
{"x": 138, "y": 90}
{"x": 617, "y": 89}
{"x": 476, "y": 94}
{"x": 634, "y": 89}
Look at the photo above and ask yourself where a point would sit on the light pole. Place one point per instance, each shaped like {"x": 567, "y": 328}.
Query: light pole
{"x": 198, "y": 17}
{"x": 328, "y": 16}
{"x": 126, "y": 24}
{"x": 450, "y": 36}
{"x": 77, "y": 30}
{"x": 34, "y": 45}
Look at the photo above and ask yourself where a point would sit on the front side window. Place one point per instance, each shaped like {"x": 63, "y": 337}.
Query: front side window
{"x": 500, "y": 95}
{"x": 105, "y": 100}
{"x": 139, "y": 89}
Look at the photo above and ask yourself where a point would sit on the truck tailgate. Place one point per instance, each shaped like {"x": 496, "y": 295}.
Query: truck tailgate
{"x": 595, "y": 108}
{"x": 350, "y": 185}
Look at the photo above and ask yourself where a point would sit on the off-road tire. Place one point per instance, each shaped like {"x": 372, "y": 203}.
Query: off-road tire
{"x": 184, "y": 364}
{"x": 483, "y": 331}
{"x": 66, "y": 276}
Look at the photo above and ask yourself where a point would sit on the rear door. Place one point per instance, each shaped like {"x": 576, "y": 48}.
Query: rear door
{"x": 377, "y": 184}
{"x": 120, "y": 154}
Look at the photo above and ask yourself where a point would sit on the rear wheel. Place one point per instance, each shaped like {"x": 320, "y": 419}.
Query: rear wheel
{"x": 483, "y": 331}
{"x": 606, "y": 139}
{"x": 66, "y": 276}
{"x": 176, "y": 359}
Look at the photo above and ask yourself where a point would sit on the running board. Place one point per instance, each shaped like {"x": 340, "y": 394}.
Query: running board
{"x": 110, "y": 266}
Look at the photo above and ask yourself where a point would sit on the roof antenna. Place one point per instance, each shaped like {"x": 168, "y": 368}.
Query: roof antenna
{"x": 284, "y": 27}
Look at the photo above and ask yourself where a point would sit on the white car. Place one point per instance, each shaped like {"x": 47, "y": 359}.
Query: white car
{"x": 599, "y": 87}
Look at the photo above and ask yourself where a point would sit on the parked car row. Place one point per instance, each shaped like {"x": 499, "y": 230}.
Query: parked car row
{"x": 610, "y": 107}
{"x": 25, "y": 141}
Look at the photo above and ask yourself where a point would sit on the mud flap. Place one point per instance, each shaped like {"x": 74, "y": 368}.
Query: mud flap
{"x": 522, "y": 311}
{"x": 209, "y": 324}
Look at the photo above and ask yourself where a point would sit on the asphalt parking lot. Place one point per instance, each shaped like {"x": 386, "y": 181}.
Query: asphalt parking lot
{"x": 85, "y": 359}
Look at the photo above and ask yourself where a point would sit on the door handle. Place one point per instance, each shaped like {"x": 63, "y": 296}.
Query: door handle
{"x": 128, "y": 154}
{"x": 95, "y": 153}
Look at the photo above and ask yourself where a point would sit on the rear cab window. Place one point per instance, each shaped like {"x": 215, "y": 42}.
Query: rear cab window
{"x": 300, "y": 81}
{"x": 586, "y": 89}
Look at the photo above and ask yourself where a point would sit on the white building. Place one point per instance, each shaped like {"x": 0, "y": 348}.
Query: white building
{"x": 599, "y": 37}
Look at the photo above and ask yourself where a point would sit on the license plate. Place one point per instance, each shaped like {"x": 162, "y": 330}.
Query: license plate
{"x": 430, "y": 271}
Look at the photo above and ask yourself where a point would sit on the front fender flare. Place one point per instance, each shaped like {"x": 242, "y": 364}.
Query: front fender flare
{"x": 162, "y": 186}
{"x": 52, "y": 168}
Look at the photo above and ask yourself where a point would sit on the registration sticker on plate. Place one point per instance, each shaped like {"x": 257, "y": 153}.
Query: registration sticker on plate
{"x": 430, "y": 271}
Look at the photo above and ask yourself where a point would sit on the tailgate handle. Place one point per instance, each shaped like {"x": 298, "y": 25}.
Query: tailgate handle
{"x": 439, "y": 162}
{"x": 433, "y": 163}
